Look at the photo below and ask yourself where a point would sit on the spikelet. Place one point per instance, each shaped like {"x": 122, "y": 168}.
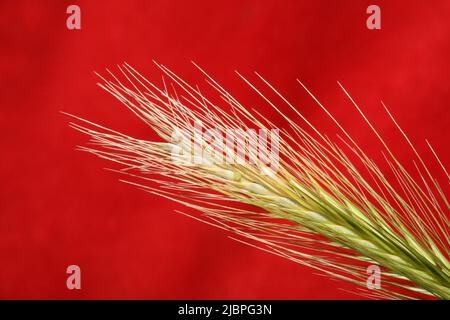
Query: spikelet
{"x": 317, "y": 209}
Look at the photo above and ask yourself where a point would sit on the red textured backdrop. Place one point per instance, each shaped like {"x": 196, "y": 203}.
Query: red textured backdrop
{"x": 58, "y": 207}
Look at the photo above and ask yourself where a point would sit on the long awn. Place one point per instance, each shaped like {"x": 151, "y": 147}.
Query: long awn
{"x": 329, "y": 209}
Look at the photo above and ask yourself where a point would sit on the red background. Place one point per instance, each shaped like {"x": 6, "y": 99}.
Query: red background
{"x": 58, "y": 207}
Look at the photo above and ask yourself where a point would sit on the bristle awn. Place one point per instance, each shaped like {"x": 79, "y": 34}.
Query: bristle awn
{"x": 316, "y": 201}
